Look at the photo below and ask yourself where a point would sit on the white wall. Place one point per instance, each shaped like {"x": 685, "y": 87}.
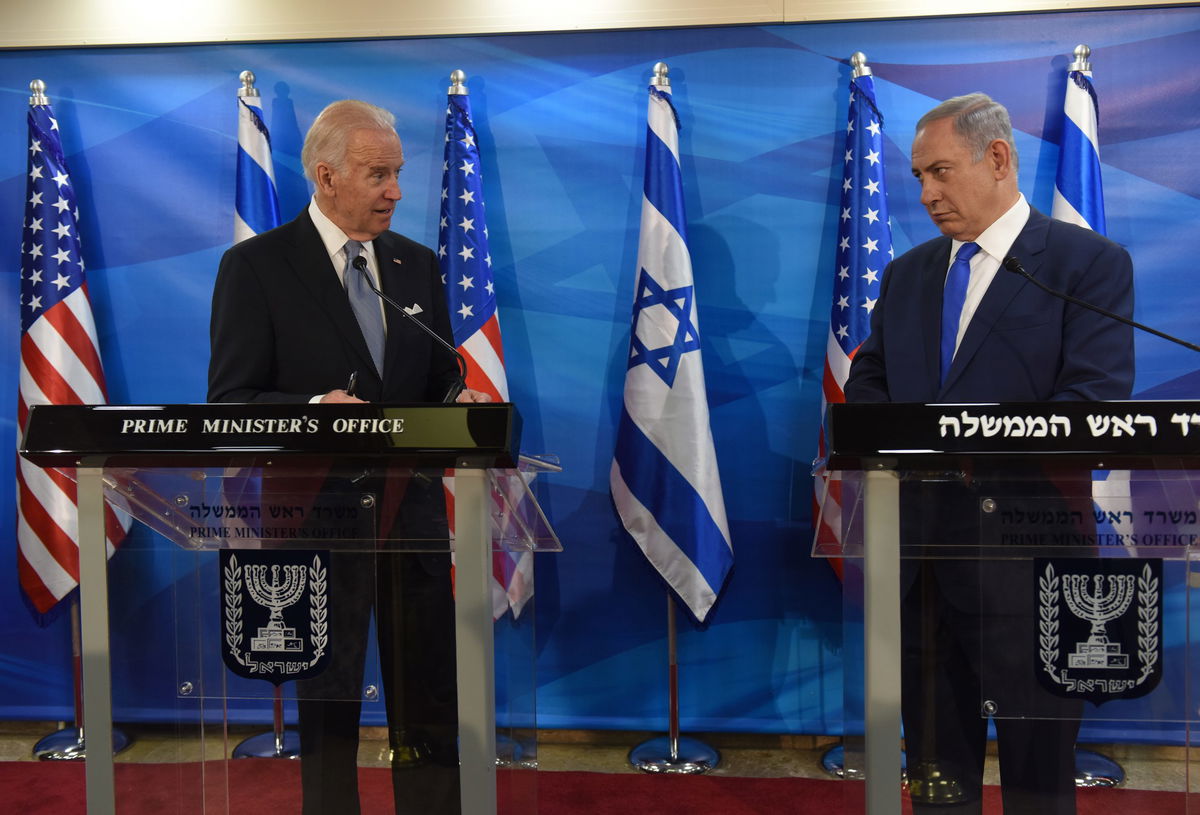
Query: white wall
{"x": 39, "y": 23}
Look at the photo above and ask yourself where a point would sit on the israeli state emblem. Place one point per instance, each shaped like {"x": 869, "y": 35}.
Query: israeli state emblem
{"x": 275, "y": 613}
{"x": 1099, "y": 627}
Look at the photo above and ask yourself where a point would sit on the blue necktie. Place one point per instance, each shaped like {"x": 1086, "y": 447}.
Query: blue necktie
{"x": 952, "y": 302}
{"x": 365, "y": 304}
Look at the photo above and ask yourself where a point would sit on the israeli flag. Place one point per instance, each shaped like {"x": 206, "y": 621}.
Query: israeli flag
{"x": 1078, "y": 193}
{"x": 257, "y": 204}
{"x": 1079, "y": 199}
{"x": 256, "y": 209}
{"x": 664, "y": 477}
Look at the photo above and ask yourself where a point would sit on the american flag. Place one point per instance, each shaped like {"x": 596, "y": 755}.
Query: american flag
{"x": 471, "y": 294}
{"x": 60, "y": 363}
{"x": 864, "y": 248}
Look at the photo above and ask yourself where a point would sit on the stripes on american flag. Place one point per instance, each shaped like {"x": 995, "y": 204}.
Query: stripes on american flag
{"x": 466, "y": 266}
{"x": 864, "y": 248}
{"x": 60, "y": 365}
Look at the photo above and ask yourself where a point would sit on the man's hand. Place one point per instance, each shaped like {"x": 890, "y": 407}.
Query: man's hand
{"x": 469, "y": 395}
{"x": 340, "y": 397}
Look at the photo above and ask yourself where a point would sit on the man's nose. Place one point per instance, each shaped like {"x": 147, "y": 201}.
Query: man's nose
{"x": 392, "y": 192}
{"x": 929, "y": 193}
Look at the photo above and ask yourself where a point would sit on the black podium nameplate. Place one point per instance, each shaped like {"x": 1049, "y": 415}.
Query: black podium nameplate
{"x": 475, "y": 435}
{"x": 1094, "y": 434}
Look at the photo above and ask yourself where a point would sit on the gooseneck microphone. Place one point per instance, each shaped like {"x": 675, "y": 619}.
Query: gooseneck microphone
{"x": 360, "y": 265}
{"x": 1013, "y": 265}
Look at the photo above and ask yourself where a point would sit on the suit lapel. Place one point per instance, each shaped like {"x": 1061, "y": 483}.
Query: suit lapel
{"x": 397, "y": 283}
{"x": 933, "y": 287}
{"x": 1027, "y": 248}
{"x": 310, "y": 261}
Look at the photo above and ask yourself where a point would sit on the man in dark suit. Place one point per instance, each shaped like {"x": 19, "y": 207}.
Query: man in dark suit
{"x": 292, "y": 321}
{"x": 952, "y": 325}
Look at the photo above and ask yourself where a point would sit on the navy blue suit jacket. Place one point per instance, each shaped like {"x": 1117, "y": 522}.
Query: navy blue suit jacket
{"x": 283, "y": 331}
{"x": 1022, "y": 345}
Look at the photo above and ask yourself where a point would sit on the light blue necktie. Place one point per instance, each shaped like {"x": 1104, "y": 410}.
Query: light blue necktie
{"x": 952, "y": 302}
{"x": 365, "y": 304}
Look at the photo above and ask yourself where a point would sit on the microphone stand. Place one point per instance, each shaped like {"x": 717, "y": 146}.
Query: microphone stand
{"x": 360, "y": 264}
{"x": 1013, "y": 265}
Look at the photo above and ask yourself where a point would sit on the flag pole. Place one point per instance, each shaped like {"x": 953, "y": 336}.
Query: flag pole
{"x": 68, "y": 744}
{"x": 675, "y": 754}
{"x": 1077, "y": 201}
{"x": 864, "y": 197}
{"x": 278, "y": 743}
{"x": 658, "y": 445}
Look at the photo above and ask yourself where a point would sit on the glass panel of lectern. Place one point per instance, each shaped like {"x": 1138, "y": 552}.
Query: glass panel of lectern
{"x": 1045, "y": 600}
{"x": 306, "y": 595}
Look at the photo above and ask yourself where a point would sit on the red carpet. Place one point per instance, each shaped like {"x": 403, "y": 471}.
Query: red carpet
{"x": 264, "y": 787}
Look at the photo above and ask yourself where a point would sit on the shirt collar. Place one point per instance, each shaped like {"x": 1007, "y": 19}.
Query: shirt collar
{"x": 998, "y": 238}
{"x": 331, "y": 234}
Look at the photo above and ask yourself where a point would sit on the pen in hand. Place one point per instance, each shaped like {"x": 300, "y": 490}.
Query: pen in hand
{"x": 353, "y": 381}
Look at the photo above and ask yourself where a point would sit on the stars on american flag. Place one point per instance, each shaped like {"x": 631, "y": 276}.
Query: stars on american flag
{"x": 463, "y": 240}
{"x": 864, "y": 234}
{"x": 51, "y": 262}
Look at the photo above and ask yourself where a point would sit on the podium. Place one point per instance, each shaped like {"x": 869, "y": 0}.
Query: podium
{"x": 360, "y": 488}
{"x": 1072, "y": 525}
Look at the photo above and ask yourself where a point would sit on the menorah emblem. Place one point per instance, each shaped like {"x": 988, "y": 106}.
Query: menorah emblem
{"x": 1101, "y": 605}
{"x": 284, "y": 588}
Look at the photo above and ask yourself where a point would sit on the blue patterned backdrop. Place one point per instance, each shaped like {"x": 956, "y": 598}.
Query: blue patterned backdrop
{"x": 150, "y": 135}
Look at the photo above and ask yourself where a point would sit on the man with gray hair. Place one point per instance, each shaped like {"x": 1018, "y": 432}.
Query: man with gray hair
{"x": 954, "y": 325}
{"x": 293, "y": 320}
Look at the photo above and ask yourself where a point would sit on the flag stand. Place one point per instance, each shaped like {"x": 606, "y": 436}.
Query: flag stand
{"x": 673, "y": 753}
{"x": 278, "y": 743}
{"x": 69, "y": 744}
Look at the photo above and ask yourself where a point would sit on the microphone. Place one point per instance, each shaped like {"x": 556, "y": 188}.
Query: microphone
{"x": 360, "y": 265}
{"x": 1013, "y": 265}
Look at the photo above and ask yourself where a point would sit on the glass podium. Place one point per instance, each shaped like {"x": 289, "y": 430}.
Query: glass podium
{"x": 1018, "y": 579}
{"x": 337, "y": 563}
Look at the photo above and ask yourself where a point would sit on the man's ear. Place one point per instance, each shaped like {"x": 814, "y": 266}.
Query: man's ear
{"x": 999, "y": 153}
{"x": 324, "y": 178}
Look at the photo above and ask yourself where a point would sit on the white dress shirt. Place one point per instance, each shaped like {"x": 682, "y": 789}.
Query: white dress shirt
{"x": 994, "y": 245}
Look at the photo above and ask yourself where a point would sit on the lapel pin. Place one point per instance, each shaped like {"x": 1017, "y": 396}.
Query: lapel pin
{"x": 397, "y": 261}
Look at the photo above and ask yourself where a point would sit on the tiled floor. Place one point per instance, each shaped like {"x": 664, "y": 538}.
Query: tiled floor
{"x": 744, "y": 755}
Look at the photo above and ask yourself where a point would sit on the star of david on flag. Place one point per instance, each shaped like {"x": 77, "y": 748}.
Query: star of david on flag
{"x": 664, "y": 477}
{"x": 60, "y": 365}
{"x": 673, "y": 308}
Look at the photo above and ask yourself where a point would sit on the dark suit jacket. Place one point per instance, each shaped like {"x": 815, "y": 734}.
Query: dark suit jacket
{"x": 1021, "y": 345}
{"x": 282, "y": 329}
